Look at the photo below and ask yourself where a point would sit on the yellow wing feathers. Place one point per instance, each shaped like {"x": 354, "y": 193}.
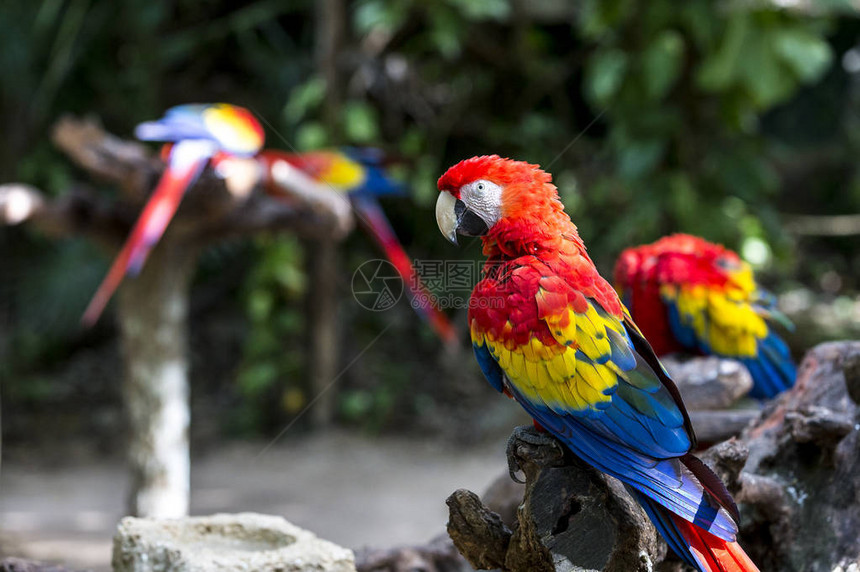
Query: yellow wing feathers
{"x": 573, "y": 370}
{"x": 723, "y": 317}
{"x": 343, "y": 173}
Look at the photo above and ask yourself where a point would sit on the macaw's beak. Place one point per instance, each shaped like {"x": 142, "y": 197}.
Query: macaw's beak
{"x": 453, "y": 216}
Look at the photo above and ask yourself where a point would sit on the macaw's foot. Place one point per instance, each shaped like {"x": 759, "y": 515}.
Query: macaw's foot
{"x": 529, "y": 445}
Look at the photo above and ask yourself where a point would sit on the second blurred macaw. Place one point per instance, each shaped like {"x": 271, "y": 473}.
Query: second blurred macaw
{"x": 688, "y": 294}
{"x": 199, "y": 132}
{"x": 360, "y": 174}
{"x": 550, "y": 332}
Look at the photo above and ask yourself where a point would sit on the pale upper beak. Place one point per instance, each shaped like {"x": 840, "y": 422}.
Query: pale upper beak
{"x": 446, "y": 217}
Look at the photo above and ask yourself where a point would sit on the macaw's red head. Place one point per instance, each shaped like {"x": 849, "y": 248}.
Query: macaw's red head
{"x": 683, "y": 259}
{"x": 499, "y": 199}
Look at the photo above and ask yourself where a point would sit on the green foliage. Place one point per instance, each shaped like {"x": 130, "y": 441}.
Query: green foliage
{"x": 682, "y": 88}
{"x": 270, "y": 377}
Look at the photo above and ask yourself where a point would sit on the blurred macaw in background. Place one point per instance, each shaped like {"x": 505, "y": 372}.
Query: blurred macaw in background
{"x": 550, "y": 332}
{"x": 691, "y": 295}
{"x": 199, "y": 132}
{"x": 360, "y": 173}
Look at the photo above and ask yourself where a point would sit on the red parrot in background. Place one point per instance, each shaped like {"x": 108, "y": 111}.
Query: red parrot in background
{"x": 550, "y": 332}
{"x": 689, "y": 294}
{"x": 360, "y": 174}
{"x": 199, "y": 132}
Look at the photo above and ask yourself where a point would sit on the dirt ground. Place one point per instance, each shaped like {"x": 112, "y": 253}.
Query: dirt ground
{"x": 354, "y": 490}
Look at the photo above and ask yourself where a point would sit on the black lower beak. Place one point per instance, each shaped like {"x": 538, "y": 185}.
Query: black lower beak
{"x": 468, "y": 223}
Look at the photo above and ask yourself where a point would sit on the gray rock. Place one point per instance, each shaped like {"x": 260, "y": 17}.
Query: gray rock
{"x": 799, "y": 487}
{"x": 708, "y": 382}
{"x": 245, "y": 541}
{"x": 21, "y": 565}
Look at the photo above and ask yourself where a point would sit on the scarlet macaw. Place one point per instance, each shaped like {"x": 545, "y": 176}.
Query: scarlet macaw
{"x": 692, "y": 295}
{"x": 360, "y": 173}
{"x": 199, "y": 131}
{"x": 550, "y": 332}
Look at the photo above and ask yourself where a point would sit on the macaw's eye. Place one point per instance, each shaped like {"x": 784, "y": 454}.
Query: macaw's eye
{"x": 727, "y": 263}
{"x": 480, "y": 186}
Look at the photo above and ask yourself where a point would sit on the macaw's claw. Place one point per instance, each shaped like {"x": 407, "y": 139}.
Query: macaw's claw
{"x": 529, "y": 445}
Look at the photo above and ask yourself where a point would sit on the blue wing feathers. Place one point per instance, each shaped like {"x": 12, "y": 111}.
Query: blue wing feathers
{"x": 490, "y": 368}
{"x": 772, "y": 368}
{"x": 666, "y": 481}
{"x": 643, "y": 432}
{"x": 622, "y": 350}
{"x": 685, "y": 335}
{"x": 180, "y": 122}
{"x": 376, "y": 183}
{"x": 638, "y": 438}
{"x": 777, "y": 352}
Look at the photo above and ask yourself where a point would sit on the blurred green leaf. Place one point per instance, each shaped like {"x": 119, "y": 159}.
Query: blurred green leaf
{"x": 720, "y": 68}
{"x": 637, "y": 158}
{"x": 257, "y": 378}
{"x": 806, "y": 54}
{"x": 604, "y": 75}
{"x": 360, "y": 123}
{"x": 303, "y": 99}
{"x": 483, "y": 9}
{"x": 446, "y": 32}
{"x": 662, "y": 62}
{"x": 311, "y": 135}
{"x": 371, "y": 14}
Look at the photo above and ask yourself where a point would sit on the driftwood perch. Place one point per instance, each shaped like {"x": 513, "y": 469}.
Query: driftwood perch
{"x": 571, "y": 518}
{"x": 215, "y": 206}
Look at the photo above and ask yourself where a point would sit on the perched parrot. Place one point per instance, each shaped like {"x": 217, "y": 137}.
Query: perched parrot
{"x": 692, "y": 295}
{"x": 199, "y": 132}
{"x": 551, "y": 333}
{"x": 360, "y": 174}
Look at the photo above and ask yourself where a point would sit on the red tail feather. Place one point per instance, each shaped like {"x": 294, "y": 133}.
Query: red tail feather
{"x": 712, "y": 483}
{"x": 714, "y": 554}
{"x": 377, "y": 224}
{"x": 150, "y": 225}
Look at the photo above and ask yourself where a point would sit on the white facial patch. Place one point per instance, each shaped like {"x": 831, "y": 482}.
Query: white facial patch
{"x": 484, "y": 198}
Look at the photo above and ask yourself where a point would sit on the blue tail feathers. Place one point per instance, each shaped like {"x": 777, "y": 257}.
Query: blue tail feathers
{"x": 773, "y": 371}
{"x": 667, "y": 529}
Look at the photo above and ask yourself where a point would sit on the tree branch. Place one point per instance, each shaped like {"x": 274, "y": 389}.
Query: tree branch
{"x": 226, "y": 203}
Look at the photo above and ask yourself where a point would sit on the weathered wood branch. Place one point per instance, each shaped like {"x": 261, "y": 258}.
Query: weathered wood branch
{"x": 108, "y": 158}
{"x": 289, "y": 183}
{"x": 230, "y": 202}
{"x": 823, "y": 225}
{"x": 571, "y": 518}
{"x": 77, "y": 211}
